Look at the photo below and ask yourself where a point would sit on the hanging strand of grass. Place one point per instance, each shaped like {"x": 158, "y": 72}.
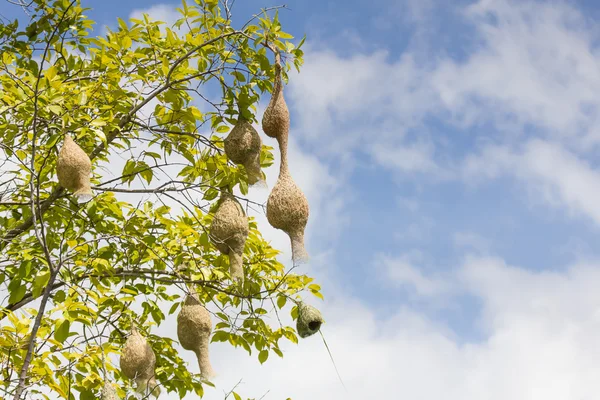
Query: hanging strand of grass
{"x": 333, "y": 361}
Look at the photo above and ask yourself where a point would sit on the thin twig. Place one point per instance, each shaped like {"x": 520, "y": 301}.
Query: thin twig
{"x": 41, "y": 236}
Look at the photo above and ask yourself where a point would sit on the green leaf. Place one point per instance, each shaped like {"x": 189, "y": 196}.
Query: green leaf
{"x": 239, "y": 76}
{"x": 54, "y": 109}
{"x": 284, "y": 35}
{"x": 17, "y": 294}
{"x": 127, "y": 42}
{"x": 39, "y": 283}
{"x": 98, "y": 123}
{"x": 220, "y": 336}
{"x": 82, "y": 98}
{"x": 100, "y": 134}
{"x": 244, "y": 187}
{"x": 87, "y": 395}
{"x": 147, "y": 175}
{"x": 281, "y": 300}
{"x": 60, "y": 296}
{"x": 173, "y": 308}
{"x": 61, "y": 330}
{"x": 262, "y": 356}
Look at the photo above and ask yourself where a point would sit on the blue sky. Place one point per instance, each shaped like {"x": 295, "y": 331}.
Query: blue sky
{"x": 449, "y": 154}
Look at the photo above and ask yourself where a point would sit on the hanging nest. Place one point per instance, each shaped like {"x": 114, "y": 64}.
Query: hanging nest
{"x": 194, "y": 327}
{"x": 287, "y": 209}
{"x": 309, "y": 320}
{"x": 228, "y": 231}
{"x": 276, "y": 119}
{"x": 74, "y": 168}
{"x": 138, "y": 361}
{"x": 109, "y": 392}
{"x": 242, "y": 146}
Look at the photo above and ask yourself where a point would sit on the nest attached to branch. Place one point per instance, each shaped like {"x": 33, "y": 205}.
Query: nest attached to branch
{"x": 276, "y": 119}
{"x": 309, "y": 320}
{"x": 287, "y": 209}
{"x": 138, "y": 362}
{"x": 194, "y": 327}
{"x": 73, "y": 169}
{"x": 228, "y": 231}
{"x": 242, "y": 146}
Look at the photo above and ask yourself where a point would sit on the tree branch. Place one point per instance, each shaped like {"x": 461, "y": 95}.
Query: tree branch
{"x": 36, "y": 209}
{"x": 58, "y": 190}
{"x": 158, "y": 276}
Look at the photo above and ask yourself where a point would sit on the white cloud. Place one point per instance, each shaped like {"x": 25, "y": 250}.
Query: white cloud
{"x": 363, "y": 102}
{"x": 472, "y": 241}
{"x": 531, "y": 75}
{"x": 401, "y": 271}
{"x": 535, "y": 63}
{"x": 160, "y": 12}
{"x": 552, "y": 174}
{"x": 539, "y": 344}
{"x": 413, "y": 158}
{"x": 530, "y": 64}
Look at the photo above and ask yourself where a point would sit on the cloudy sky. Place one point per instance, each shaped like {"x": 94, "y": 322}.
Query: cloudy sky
{"x": 448, "y": 151}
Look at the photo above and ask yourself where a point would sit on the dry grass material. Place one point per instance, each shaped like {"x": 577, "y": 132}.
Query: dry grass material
{"x": 138, "y": 361}
{"x": 229, "y": 231}
{"x": 109, "y": 392}
{"x": 194, "y": 327}
{"x": 276, "y": 119}
{"x": 287, "y": 209}
{"x": 74, "y": 168}
{"x": 254, "y": 171}
{"x": 309, "y": 320}
{"x": 242, "y": 146}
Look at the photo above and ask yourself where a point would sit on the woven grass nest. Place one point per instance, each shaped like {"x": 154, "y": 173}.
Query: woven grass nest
{"x": 242, "y": 146}
{"x": 138, "y": 362}
{"x": 194, "y": 327}
{"x": 228, "y": 231}
{"x": 287, "y": 209}
{"x": 276, "y": 119}
{"x": 73, "y": 169}
{"x": 108, "y": 392}
{"x": 309, "y": 320}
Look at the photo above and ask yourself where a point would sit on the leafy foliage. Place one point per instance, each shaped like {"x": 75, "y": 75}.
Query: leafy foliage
{"x": 143, "y": 94}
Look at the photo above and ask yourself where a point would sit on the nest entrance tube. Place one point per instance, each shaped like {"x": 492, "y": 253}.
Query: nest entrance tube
{"x": 73, "y": 169}
{"x": 309, "y": 320}
{"x": 228, "y": 231}
{"x": 138, "y": 362}
{"x": 194, "y": 327}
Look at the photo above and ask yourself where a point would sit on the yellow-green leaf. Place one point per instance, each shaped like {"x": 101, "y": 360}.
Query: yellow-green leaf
{"x": 61, "y": 332}
{"x": 262, "y": 356}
